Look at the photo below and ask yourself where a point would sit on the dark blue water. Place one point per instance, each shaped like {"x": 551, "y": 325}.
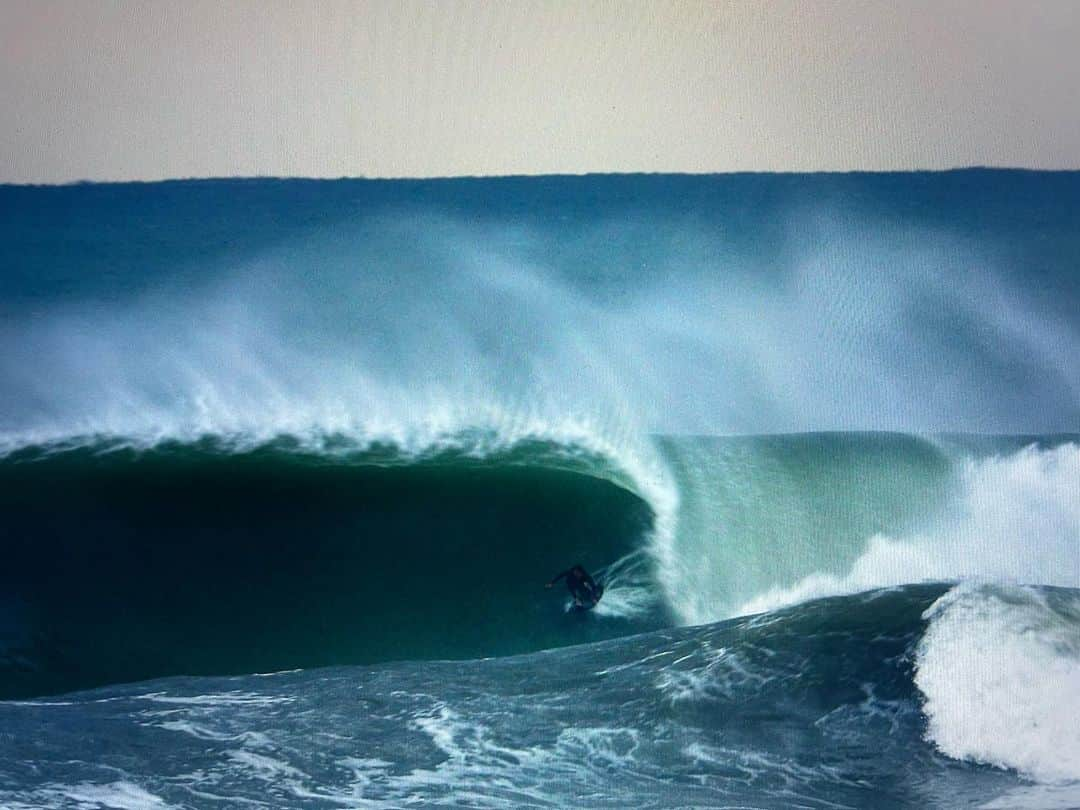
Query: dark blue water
{"x": 809, "y": 707}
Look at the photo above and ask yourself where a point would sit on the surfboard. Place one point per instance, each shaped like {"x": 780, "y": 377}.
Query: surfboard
{"x": 581, "y": 607}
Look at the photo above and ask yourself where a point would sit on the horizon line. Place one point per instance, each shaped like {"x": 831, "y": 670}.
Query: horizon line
{"x": 523, "y": 176}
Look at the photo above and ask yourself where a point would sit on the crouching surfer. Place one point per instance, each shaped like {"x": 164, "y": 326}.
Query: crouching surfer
{"x": 583, "y": 588}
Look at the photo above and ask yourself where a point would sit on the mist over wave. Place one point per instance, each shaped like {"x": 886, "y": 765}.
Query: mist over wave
{"x": 414, "y": 316}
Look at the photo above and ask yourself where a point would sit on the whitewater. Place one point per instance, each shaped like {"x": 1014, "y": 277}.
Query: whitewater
{"x": 284, "y": 466}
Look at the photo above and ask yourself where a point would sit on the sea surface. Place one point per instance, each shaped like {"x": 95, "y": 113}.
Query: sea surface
{"x": 286, "y": 464}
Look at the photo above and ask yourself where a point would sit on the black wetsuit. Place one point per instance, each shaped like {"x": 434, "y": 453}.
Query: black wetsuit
{"x": 582, "y": 586}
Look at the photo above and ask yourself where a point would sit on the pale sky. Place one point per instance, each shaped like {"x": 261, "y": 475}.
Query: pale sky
{"x": 125, "y": 90}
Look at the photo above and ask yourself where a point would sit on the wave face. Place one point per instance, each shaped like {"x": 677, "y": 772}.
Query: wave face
{"x": 210, "y": 559}
{"x": 819, "y": 705}
{"x": 271, "y": 425}
{"x": 123, "y": 565}
{"x": 780, "y": 520}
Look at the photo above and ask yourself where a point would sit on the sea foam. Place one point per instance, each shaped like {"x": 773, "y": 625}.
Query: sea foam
{"x": 1000, "y": 671}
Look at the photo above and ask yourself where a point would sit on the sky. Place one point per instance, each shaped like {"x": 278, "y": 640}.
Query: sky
{"x": 131, "y": 90}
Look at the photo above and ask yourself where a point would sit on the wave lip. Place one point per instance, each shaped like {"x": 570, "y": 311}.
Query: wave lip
{"x": 999, "y": 668}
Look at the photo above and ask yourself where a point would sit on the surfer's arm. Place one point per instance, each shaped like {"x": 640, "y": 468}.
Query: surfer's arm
{"x": 560, "y": 576}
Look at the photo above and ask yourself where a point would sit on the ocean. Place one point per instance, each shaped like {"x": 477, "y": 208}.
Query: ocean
{"x": 286, "y": 464}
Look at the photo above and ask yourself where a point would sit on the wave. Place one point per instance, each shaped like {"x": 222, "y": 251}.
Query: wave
{"x": 131, "y": 560}
{"x": 357, "y": 422}
{"x": 1011, "y": 518}
{"x": 761, "y": 512}
{"x": 127, "y": 563}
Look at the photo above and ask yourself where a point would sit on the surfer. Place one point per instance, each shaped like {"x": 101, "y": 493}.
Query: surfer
{"x": 583, "y": 588}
